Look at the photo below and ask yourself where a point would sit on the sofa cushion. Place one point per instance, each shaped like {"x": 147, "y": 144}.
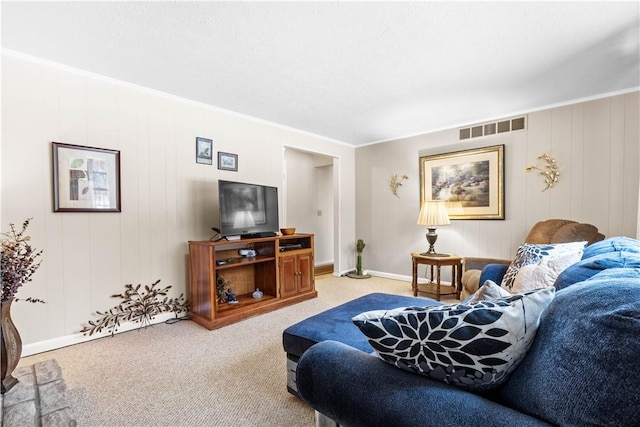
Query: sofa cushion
{"x": 335, "y": 323}
{"x": 613, "y": 244}
{"x": 529, "y": 253}
{"x": 543, "y": 231}
{"x": 474, "y": 346}
{"x": 575, "y": 232}
{"x": 562, "y": 231}
{"x": 583, "y": 367}
{"x": 588, "y": 267}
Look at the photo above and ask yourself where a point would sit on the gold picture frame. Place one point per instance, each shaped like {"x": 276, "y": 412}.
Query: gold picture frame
{"x": 471, "y": 180}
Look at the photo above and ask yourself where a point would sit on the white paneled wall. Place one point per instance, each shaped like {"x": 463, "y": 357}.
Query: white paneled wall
{"x": 597, "y": 147}
{"x": 167, "y": 199}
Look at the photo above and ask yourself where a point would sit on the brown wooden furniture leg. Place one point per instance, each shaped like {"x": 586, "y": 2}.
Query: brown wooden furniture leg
{"x": 414, "y": 281}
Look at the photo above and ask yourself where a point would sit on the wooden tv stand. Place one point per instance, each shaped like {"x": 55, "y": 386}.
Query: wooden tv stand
{"x": 283, "y": 270}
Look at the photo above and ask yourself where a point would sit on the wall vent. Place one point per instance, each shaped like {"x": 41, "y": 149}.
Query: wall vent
{"x": 509, "y": 125}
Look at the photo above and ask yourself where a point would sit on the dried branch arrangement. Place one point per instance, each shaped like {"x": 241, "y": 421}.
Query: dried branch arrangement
{"x": 19, "y": 262}
{"x": 549, "y": 171}
{"x": 396, "y": 182}
{"x": 139, "y": 307}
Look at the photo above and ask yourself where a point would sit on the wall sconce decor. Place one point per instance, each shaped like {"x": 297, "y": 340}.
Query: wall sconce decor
{"x": 549, "y": 171}
{"x": 396, "y": 182}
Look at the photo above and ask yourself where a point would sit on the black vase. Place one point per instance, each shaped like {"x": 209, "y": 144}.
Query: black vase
{"x": 10, "y": 347}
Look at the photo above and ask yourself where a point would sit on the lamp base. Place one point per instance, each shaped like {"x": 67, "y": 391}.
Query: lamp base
{"x": 432, "y": 236}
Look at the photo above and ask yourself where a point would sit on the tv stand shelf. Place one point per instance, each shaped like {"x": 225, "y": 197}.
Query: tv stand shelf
{"x": 244, "y": 301}
{"x": 282, "y": 269}
{"x": 243, "y": 261}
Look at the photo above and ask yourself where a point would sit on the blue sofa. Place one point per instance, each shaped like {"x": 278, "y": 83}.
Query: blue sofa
{"x": 583, "y": 368}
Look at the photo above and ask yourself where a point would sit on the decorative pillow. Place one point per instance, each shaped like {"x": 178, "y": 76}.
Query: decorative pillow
{"x": 489, "y": 291}
{"x": 529, "y": 253}
{"x": 543, "y": 273}
{"x": 474, "y": 346}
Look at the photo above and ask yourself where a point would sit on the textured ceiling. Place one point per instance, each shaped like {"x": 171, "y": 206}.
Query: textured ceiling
{"x": 356, "y": 72}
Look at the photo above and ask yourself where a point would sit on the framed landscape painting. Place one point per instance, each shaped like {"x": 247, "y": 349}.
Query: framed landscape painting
{"x": 472, "y": 180}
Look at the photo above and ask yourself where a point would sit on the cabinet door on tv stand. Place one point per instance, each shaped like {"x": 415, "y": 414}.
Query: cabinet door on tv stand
{"x": 305, "y": 273}
{"x": 288, "y": 276}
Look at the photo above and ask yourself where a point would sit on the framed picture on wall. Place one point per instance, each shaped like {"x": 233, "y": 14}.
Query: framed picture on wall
{"x": 204, "y": 151}
{"x": 227, "y": 161}
{"x": 85, "y": 179}
{"x": 471, "y": 181}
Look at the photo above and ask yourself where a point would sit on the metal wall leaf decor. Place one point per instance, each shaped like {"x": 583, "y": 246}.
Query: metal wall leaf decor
{"x": 396, "y": 181}
{"x": 549, "y": 170}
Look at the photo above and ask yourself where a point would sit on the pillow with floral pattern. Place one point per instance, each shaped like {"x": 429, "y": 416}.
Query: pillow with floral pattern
{"x": 471, "y": 345}
{"x": 529, "y": 253}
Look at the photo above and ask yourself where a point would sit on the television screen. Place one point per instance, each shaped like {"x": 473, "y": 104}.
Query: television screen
{"x": 247, "y": 210}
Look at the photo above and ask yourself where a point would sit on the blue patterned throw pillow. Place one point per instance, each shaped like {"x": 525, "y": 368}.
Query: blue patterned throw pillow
{"x": 529, "y": 253}
{"x": 474, "y": 345}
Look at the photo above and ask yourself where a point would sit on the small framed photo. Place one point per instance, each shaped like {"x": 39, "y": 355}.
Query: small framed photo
{"x": 85, "y": 179}
{"x": 204, "y": 151}
{"x": 227, "y": 161}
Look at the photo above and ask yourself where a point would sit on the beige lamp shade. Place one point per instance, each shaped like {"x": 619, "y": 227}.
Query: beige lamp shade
{"x": 433, "y": 213}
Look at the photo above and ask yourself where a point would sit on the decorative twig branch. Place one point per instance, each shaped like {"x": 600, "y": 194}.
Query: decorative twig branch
{"x": 549, "y": 171}
{"x": 396, "y": 182}
{"x": 138, "y": 307}
{"x": 18, "y": 262}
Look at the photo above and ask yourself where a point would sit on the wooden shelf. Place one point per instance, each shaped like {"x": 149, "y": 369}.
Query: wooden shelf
{"x": 285, "y": 277}
{"x": 244, "y": 261}
{"x": 243, "y": 302}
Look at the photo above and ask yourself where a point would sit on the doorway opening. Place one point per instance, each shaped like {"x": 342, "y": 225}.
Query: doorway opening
{"x": 310, "y": 201}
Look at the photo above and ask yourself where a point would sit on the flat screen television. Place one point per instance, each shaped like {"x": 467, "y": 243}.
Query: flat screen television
{"x": 247, "y": 210}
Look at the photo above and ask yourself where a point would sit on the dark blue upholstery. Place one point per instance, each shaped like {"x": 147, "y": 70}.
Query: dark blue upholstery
{"x": 588, "y": 267}
{"x": 618, "y": 251}
{"x": 584, "y": 365}
{"x": 493, "y": 272}
{"x": 583, "y": 368}
{"x": 335, "y": 324}
{"x": 357, "y": 389}
{"x": 613, "y": 244}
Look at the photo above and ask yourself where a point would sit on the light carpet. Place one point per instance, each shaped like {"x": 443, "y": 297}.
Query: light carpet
{"x": 185, "y": 375}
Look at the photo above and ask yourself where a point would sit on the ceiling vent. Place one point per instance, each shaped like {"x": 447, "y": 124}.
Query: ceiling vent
{"x": 509, "y": 125}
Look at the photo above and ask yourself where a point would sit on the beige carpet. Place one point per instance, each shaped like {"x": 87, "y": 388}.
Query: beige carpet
{"x": 184, "y": 375}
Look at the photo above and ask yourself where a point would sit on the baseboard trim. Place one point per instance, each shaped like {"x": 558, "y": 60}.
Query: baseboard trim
{"x": 389, "y": 275}
{"x": 401, "y": 277}
{"x": 323, "y": 269}
{"x": 56, "y": 343}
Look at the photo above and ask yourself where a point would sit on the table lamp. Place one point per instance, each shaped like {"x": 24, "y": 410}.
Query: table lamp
{"x": 433, "y": 213}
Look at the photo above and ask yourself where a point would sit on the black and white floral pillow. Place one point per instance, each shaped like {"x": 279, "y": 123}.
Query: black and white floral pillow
{"x": 529, "y": 253}
{"x": 474, "y": 346}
